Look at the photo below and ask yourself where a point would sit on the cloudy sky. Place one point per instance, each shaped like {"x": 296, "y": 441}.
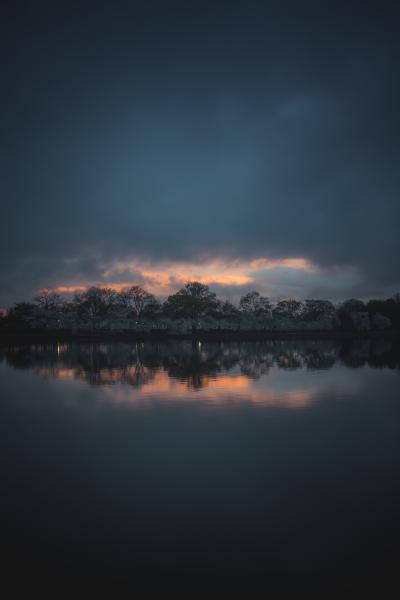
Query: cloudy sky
{"x": 249, "y": 145}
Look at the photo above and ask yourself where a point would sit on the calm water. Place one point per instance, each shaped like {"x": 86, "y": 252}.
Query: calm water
{"x": 277, "y": 459}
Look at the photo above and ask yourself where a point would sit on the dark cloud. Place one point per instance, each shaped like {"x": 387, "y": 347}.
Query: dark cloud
{"x": 175, "y": 131}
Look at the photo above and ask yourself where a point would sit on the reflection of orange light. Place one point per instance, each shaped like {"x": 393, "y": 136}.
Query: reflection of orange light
{"x": 159, "y": 386}
{"x": 164, "y": 277}
{"x": 218, "y": 392}
{"x": 230, "y": 382}
{"x": 299, "y": 399}
{"x": 66, "y": 373}
{"x": 162, "y": 383}
{"x": 60, "y": 373}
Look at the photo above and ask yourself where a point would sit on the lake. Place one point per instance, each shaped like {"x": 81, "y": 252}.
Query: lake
{"x": 251, "y": 460}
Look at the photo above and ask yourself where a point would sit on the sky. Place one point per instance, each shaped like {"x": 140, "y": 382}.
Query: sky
{"x": 248, "y": 145}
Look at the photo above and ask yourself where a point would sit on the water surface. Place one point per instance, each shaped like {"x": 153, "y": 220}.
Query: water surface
{"x": 276, "y": 459}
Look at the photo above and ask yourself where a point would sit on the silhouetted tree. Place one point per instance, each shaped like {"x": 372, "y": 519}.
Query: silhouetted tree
{"x": 349, "y": 308}
{"x": 138, "y": 300}
{"x": 352, "y": 305}
{"x": 48, "y": 300}
{"x": 225, "y": 310}
{"x": 254, "y": 303}
{"x": 389, "y": 308}
{"x": 193, "y": 301}
{"x": 18, "y": 317}
{"x": 95, "y": 303}
{"x": 152, "y": 309}
{"x": 288, "y": 309}
{"x": 315, "y": 310}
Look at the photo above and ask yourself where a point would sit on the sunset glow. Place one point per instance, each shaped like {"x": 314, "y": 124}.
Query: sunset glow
{"x": 159, "y": 386}
{"x": 200, "y": 296}
{"x": 165, "y": 277}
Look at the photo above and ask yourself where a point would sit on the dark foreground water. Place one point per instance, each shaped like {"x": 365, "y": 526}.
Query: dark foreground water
{"x": 268, "y": 461}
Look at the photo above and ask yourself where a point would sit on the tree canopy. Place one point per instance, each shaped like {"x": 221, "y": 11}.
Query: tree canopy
{"x": 195, "y": 301}
{"x": 254, "y": 303}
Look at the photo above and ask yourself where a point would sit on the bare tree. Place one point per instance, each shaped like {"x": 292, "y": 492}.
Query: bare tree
{"x": 95, "y": 303}
{"x": 137, "y": 299}
{"x": 48, "y": 300}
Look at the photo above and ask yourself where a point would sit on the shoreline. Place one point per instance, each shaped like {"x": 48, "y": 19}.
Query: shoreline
{"x": 198, "y": 335}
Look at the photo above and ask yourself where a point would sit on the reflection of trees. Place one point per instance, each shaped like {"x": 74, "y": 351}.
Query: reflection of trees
{"x": 289, "y": 360}
{"x": 193, "y": 362}
{"x": 319, "y": 360}
{"x": 375, "y": 352}
{"x": 255, "y": 361}
{"x": 355, "y": 353}
{"x": 98, "y": 364}
{"x": 257, "y": 358}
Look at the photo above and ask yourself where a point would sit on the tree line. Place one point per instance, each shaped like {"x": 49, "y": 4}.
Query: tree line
{"x": 195, "y": 301}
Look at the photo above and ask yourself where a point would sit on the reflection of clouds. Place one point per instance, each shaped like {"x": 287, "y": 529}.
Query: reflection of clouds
{"x": 138, "y": 385}
{"x": 290, "y": 374}
{"x": 222, "y": 390}
{"x": 294, "y": 390}
{"x": 159, "y": 386}
{"x": 135, "y": 375}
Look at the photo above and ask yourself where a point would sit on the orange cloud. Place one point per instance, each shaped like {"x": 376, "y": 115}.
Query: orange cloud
{"x": 282, "y": 263}
{"x": 164, "y": 277}
{"x": 70, "y": 289}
